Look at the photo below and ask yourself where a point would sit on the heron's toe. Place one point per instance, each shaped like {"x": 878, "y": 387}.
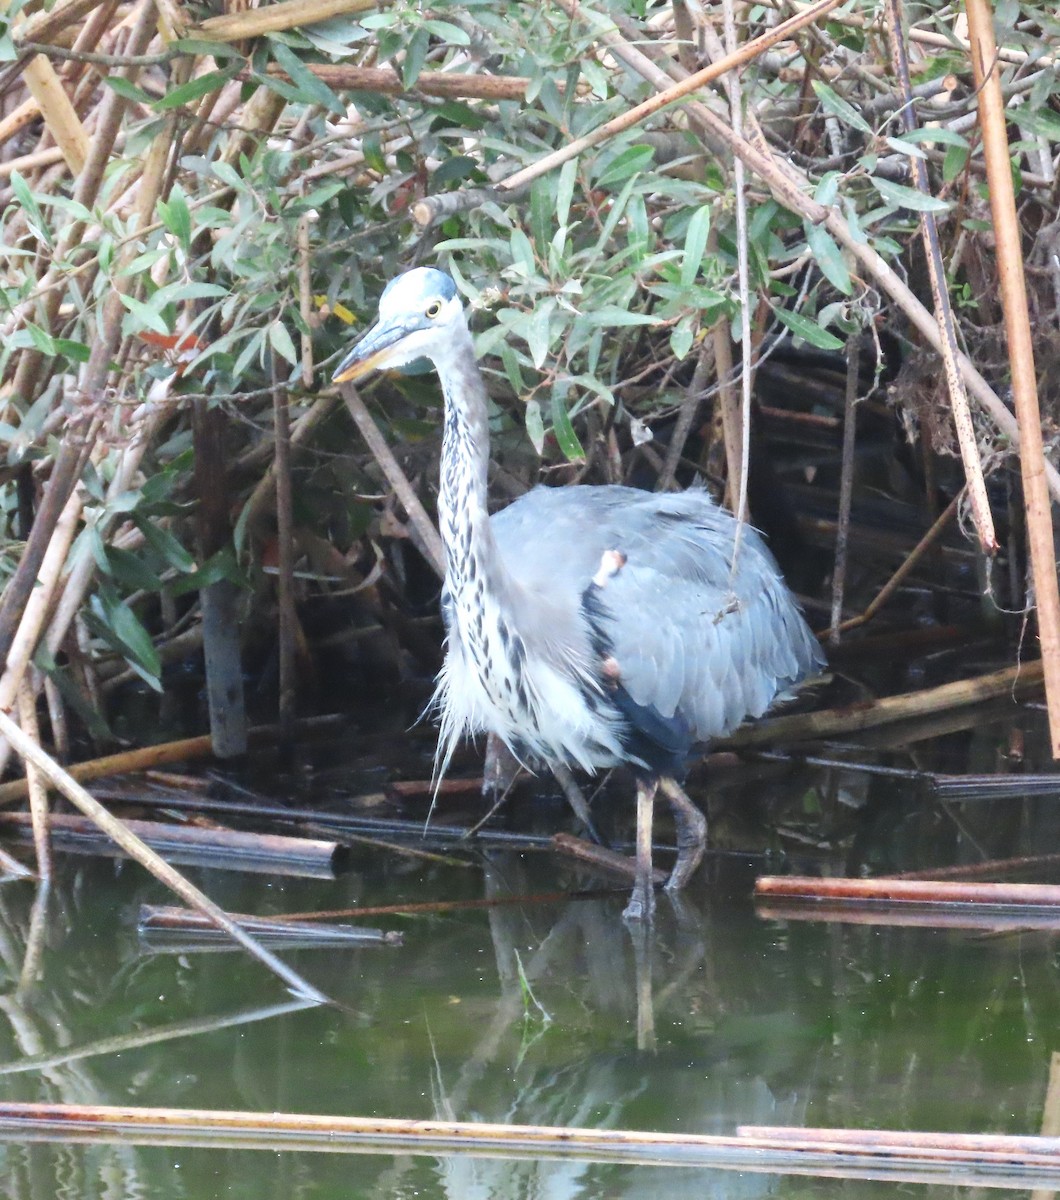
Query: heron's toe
{"x": 641, "y": 906}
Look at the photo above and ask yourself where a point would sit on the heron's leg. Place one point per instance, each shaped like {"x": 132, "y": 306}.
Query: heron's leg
{"x": 576, "y": 800}
{"x": 691, "y": 833}
{"x": 641, "y": 904}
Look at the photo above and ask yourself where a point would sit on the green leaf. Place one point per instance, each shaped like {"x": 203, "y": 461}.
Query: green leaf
{"x": 311, "y": 88}
{"x": 538, "y": 338}
{"x": 27, "y": 200}
{"x": 542, "y": 214}
{"x": 523, "y": 253}
{"x": 566, "y": 438}
{"x": 953, "y": 163}
{"x": 900, "y": 196}
{"x": 613, "y": 315}
{"x": 176, "y": 217}
{"x": 194, "y": 89}
{"x": 809, "y": 331}
{"x": 218, "y": 567}
{"x": 228, "y": 175}
{"x": 535, "y": 426}
{"x": 832, "y": 102}
{"x": 448, "y": 32}
{"x": 144, "y": 314}
{"x": 280, "y": 341}
{"x": 681, "y": 337}
{"x": 934, "y": 133}
{"x": 415, "y": 56}
{"x": 77, "y": 351}
{"x": 42, "y": 339}
{"x": 695, "y": 244}
{"x": 131, "y": 572}
{"x": 565, "y": 190}
{"x": 1042, "y": 122}
{"x": 628, "y": 162}
{"x": 828, "y": 257}
{"x": 128, "y": 90}
{"x": 165, "y": 545}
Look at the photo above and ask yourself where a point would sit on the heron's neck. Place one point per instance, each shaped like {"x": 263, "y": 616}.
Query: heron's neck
{"x": 463, "y": 516}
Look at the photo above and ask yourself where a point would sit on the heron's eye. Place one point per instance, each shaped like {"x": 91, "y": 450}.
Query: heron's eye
{"x": 434, "y": 309}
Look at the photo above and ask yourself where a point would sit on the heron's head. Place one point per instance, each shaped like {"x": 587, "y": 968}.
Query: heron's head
{"x": 419, "y": 315}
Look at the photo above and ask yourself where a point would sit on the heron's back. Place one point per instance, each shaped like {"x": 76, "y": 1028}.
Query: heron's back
{"x": 698, "y": 646}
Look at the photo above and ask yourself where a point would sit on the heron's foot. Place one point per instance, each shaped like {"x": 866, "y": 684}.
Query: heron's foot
{"x": 691, "y": 829}
{"x": 641, "y": 906}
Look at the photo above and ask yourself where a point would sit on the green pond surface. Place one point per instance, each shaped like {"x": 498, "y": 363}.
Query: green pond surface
{"x": 537, "y": 1012}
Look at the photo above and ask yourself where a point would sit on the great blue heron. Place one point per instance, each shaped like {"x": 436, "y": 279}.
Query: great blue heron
{"x": 588, "y": 626}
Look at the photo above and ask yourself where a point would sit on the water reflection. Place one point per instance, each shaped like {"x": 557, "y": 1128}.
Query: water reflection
{"x": 532, "y": 1014}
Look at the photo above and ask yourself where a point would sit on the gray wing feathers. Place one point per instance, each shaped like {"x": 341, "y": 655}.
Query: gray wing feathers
{"x": 688, "y": 635}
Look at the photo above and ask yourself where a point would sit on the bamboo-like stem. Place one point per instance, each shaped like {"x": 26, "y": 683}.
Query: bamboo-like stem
{"x": 385, "y": 81}
{"x": 287, "y": 618}
{"x": 884, "y": 1154}
{"x": 901, "y": 574}
{"x": 832, "y": 722}
{"x": 144, "y": 758}
{"x": 273, "y": 18}
{"x": 28, "y": 749}
{"x": 846, "y": 487}
{"x": 735, "y": 93}
{"x": 962, "y": 418}
{"x": 38, "y": 793}
{"x": 20, "y": 647}
{"x": 59, "y": 114}
{"x": 911, "y": 891}
{"x": 729, "y": 407}
{"x": 690, "y": 405}
{"x": 429, "y": 542}
{"x": 305, "y": 299}
{"x": 1020, "y": 348}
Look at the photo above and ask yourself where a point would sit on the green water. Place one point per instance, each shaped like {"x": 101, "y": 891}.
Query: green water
{"x": 528, "y": 1013}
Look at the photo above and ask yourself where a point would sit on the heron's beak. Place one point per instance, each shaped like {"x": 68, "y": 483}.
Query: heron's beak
{"x": 370, "y": 354}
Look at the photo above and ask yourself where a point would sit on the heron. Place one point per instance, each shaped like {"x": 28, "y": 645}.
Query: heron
{"x": 588, "y": 626}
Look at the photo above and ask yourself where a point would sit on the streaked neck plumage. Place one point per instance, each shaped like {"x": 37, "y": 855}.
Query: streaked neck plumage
{"x": 463, "y": 515}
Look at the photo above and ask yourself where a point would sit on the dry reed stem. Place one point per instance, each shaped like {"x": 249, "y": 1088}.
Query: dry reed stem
{"x": 794, "y": 190}
{"x": 854, "y": 718}
{"x": 386, "y": 81}
{"x": 144, "y": 758}
{"x": 287, "y": 618}
{"x": 901, "y": 574}
{"x": 273, "y": 18}
{"x": 35, "y": 612}
{"x": 906, "y": 891}
{"x": 31, "y": 752}
{"x": 846, "y": 488}
{"x": 998, "y": 1159}
{"x": 429, "y": 541}
{"x": 1021, "y": 349}
{"x": 59, "y": 114}
{"x": 962, "y": 418}
{"x": 305, "y": 298}
{"x": 18, "y": 118}
{"x": 38, "y": 792}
